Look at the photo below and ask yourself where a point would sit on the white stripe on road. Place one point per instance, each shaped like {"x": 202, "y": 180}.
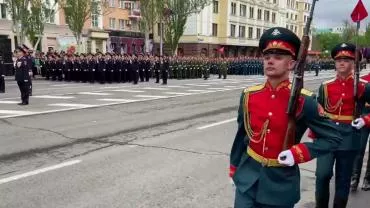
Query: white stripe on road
{"x": 198, "y": 85}
{"x": 150, "y": 96}
{"x": 215, "y": 88}
{"x": 38, "y": 171}
{"x": 123, "y": 90}
{"x": 118, "y": 100}
{"x": 109, "y": 87}
{"x": 15, "y": 112}
{"x": 154, "y": 88}
{"x": 176, "y": 86}
{"x": 93, "y": 93}
{"x": 74, "y": 105}
{"x": 198, "y": 91}
{"x": 8, "y": 102}
{"x": 63, "y": 85}
{"x": 178, "y": 93}
{"x": 216, "y": 124}
{"x": 52, "y": 97}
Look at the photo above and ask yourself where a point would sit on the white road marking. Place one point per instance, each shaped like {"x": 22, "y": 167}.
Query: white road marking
{"x": 123, "y": 90}
{"x": 154, "y": 88}
{"x": 52, "y": 97}
{"x": 93, "y": 93}
{"x": 8, "y": 102}
{"x": 199, "y": 91}
{"x": 216, "y": 124}
{"x": 62, "y": 85}
{"x": 215, "y": 88}
{"x": 198, "y": 85}
{"x": 38, "y": 171}
{"x": 118, "y": 100}
{"x": 178, "y": 93}
{"x": 15, "y": 112}
{"x": 175, "y": 86}
{"x": 151, "y": 96}
{"x": 110, "y": 87}
{"x": 230, "y": 86}
{"x": 74, "y": 105}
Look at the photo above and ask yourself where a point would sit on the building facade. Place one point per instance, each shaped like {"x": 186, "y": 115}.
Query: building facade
{"x": 235, "y": 26}
{"x": 112, "y": 28}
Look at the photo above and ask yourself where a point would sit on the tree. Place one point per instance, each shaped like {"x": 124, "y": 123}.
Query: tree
{"x": 18, "y": 10}
{"x": 327, "y": 41}
{"x": 149, "y": 16}
{"x": 41, "y": 12}
{"x": 349, "y": 31}
{"x": 175, "y": 13}
{"x": 77, "y": 12}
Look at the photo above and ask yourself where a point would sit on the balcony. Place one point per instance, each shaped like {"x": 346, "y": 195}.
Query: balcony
{"x": 134, "y": 14}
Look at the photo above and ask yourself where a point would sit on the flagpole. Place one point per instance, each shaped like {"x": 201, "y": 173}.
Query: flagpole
{"x": 357, "y": 112}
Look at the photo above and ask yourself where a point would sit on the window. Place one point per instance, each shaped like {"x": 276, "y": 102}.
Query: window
{"x": 250, "y": 32}
{"x": 214, "y": 29}
{"x": 287, "y": 15}
{"x": 288, "y": 3}
{"x": 122, "y": 4}
{"x": 215, "y": 6}
{"x": 287, "y": 26}
{"x": 259, "y": 14}
{"x": 296, "y": 5}
{"x": 273, "y": 17}
{"x": 291, "y": 27}
{"x": 94, "y": 16}
{"x": 241, "y": 31}
{"x": 121, "y": 24}
{"x": 233, "y": 8}
{"x": 295, "y": 29}
{"x": 251, "y": 12}
{"x": 305, "y": 19}
{"x": 49, "y": 15}
{"x": 112, "y": 23}
{"x": 111, "y": 3}
{"x": 274, "y": 1}
{"x": 296, "y": 17}
{"x": 243, "y": 10}
{"x": 3, "y": 11}
{"x": 159, "y": 29}
{"x": 127, "y": 5}
{"x": 309, "y": 7}
{"x": 258, "y": 33}
{"x": 291, "y": 16}
{"x": 267, "y": 15}
{"x": 232, "y": 30}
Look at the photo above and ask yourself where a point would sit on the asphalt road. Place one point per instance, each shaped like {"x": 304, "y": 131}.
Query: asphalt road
{"x": 122, "y": 145}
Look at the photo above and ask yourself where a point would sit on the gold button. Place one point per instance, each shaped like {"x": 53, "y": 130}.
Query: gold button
{"x": 343, "y": 94}
{"x": 336, "y": 116}
{"x": 272, "y": 96}
{"x": 268, "y": 130}
{"x": 266, "y": 148}
{"x": 343, "y": 83}
{"x": 270, "y": 114}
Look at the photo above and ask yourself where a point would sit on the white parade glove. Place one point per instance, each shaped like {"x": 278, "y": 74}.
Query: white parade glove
{"x": 286, "y": 158}
{"x": 358, "y": 123}
{"x": 30, "y": 73}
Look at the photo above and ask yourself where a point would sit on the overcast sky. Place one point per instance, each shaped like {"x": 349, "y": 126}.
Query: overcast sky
{"x": 331, "y": 13}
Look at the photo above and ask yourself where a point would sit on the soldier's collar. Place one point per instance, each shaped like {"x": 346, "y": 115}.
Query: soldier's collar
{"x": 281, "y": 85}
{"x": 349, "y": 77}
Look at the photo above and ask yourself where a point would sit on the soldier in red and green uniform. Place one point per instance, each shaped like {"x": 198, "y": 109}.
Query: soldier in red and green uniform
{"x": 357, "y": 167}
{"x": 262, "y": 178}
{"x": 336, "y": 96}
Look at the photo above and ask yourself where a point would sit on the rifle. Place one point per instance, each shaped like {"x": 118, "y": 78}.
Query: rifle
{"x": 357, "y": 108}
{"x": 297, "y": 83}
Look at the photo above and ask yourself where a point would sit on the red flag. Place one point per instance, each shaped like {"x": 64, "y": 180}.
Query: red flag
{"x": 359, "y": 12}
{"x": 221, "y": 50}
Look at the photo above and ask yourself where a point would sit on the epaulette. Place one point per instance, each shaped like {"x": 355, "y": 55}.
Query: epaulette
{"x": 364, "y": 81}
{"x": 306, "y": 92}
{"x": 254, "y": 88}
{"x": 329, "y": 81}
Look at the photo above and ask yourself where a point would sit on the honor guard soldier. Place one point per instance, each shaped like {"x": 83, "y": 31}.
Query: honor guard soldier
{"x": 30, "y": 59}
{"x": 337, "y": 97}
{"x": 2, "y": 75}
{"x": 22, "y": 75}
{"x": 357, "y": 167}
{"x": 266, "y": 175}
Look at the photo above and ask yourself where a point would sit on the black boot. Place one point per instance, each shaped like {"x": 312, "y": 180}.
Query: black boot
{"x": 339, "y": 202}
{"x": 322, "y": 202}
{"x": 366, "y": 184}
{"x": 354, "y": 182}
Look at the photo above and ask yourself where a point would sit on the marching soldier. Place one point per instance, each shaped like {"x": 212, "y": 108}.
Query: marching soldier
{"x": 357, "y": 167}
{"x": 2, "y": 75}
{"x": 264, "y": 174}
{"x": 337, "y": 97}
{"x": 22, "y": 75}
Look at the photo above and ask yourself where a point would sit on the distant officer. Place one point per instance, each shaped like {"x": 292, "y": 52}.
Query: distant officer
{"x": 157, "y": 69}
{"x": 22, "y": 75}
{"x": 164, "y": 70}
{"x": 2, "y": 75}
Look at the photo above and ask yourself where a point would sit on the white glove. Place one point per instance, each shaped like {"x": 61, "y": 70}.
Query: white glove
{"x": 358, "y": 123}
{"x": 30, "y": 73}
{"x": 232, "y": 184}
{"x": 286, "y": 158}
